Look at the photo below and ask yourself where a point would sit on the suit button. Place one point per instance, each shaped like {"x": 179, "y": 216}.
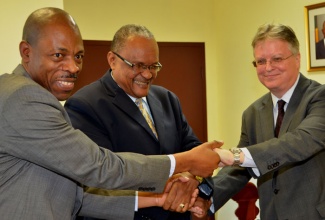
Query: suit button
{"x": 276, "y": 191}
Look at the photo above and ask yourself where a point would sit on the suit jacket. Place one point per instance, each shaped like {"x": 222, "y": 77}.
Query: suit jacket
{"x": 320, "y": 49}
{"x": 43, "y": 159}
{"x": 297, "y": 156}
{"x": 104, "y": 112}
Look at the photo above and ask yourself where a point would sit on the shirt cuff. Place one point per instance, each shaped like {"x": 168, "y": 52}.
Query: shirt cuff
{"x": 249, "y": 162}
{"x": 172, "y": 164}
{"x": 136, "y": 201}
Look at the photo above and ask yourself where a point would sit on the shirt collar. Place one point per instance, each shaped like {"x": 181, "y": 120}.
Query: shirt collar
{"x": 287, "y": 96}
{"x": 131, "y": 97}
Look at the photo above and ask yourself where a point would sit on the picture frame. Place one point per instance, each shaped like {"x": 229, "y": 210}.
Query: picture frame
{"x": 314, "y": 24}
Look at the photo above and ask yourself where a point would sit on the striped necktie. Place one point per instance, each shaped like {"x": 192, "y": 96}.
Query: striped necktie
{"x": 145, "y": 114}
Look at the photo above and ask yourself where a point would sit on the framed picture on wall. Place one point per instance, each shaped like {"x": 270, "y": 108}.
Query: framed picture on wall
{"x": 315, "y": 36}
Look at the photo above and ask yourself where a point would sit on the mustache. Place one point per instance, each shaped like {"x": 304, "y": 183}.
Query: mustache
{"x": 71, "y": 75}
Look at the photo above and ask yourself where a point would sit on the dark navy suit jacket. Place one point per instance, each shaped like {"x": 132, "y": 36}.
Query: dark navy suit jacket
{"x": 104, "y": 112}
{"x": 320, "y": 49}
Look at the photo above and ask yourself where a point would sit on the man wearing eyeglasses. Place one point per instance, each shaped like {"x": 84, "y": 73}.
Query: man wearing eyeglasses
{"x": 282, "y": 141}
{"x": 108, "y": 111}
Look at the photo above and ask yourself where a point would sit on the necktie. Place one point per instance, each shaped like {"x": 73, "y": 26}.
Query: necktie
{"x": 145, "y": 114}
{"x": 279, "y": 119}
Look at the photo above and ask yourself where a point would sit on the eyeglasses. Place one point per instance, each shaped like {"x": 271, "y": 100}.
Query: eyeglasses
{"x": 273, "y": 61}
{"x": 139, "y": 67}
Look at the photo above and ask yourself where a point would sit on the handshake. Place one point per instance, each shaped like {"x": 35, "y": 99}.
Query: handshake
{"x": 181, "y": 192}
{"x": 204, "y": 159}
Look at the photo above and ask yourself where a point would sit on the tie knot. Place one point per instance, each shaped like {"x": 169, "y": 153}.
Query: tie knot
{"x": 138, "y": 101}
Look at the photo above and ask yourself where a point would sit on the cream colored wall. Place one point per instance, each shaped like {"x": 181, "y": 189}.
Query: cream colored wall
{"x": 226, "y": 27}
{"x": 169, "y": 20}
{"x": 13, "y": 14}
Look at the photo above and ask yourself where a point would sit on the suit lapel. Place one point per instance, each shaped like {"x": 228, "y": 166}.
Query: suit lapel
{"x": 157, "y": 114}
{"x": 122, "y": 101}
{"x": 294, "y": 104}
{"x": 266, "y": 119}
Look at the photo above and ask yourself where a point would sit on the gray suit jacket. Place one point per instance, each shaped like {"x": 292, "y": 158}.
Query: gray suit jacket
{"x": 298, "y": 155}
{"x": 43, "y": 159}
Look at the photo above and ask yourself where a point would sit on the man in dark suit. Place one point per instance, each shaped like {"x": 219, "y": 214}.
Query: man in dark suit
{"x": 44, "y": 160}
{"x": 320, "y": 46}
{"x": 106, "y": 110}
{"x": 289, "y": 162}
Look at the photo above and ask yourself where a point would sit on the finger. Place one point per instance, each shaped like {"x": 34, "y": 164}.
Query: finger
{"x": 218, "y": 144}
{"x": 197, "y": 211}
{"x": 183, "y": 179}
{"x": 173, "y": 199}
{"x": 193, "y": 198}
{"x": 182, "y": 207}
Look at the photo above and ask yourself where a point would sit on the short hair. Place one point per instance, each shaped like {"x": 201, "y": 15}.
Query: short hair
{"x": 277, "y": 31}
{"x": 127, "y": 31}
{"x": 40, "y": 18}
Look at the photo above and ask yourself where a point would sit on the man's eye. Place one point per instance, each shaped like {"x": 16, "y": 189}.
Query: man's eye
{"x": 58, "y": 55}
{"x": 79, "y": 57}
{"x": 277, "y": 59}
{"x": 140, "y": 66}
{"x": 261, "y": 62}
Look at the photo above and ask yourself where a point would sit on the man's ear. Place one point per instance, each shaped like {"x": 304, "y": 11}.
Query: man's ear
{"x": 111, "y": 58}
{"x": 24, "y": 49}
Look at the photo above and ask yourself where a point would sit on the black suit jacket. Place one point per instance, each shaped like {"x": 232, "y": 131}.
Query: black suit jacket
{"x": 320, "y": 49}
{"x": 104, "y": 112}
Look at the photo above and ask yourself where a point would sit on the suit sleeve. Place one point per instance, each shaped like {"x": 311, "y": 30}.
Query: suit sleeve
{"x": 36, "y": 130}
{"x": 108, "y": 204}
{"x": 304, "y": 139}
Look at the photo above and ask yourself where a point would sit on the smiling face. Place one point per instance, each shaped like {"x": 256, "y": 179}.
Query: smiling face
{"x": 54, "y": 60}
{"x": 137, "y": 49}
{"x": 277, "y": 77}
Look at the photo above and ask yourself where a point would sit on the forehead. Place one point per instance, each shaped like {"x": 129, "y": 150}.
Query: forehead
{"x": 271, "y": 46}
{"x": 62, "y": 36}
{"x": 141, "y": 49}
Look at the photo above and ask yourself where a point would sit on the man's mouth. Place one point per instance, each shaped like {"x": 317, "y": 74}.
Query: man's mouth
{"x": 65, "y": 85}
{"x": 141, "y": 83}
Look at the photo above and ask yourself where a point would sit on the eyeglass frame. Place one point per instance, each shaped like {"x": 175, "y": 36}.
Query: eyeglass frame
{"x": 274, "y": 59}
{"x": 140, "y": 66}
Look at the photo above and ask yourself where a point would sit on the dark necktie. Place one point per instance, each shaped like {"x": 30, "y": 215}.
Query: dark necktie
{"x": 279, "y": 119}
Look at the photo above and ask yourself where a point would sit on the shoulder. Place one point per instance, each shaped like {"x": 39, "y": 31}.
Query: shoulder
{"x": 18, "y": 87}
{"x": 259, "y": 103}
{"x": 162, "y": 92}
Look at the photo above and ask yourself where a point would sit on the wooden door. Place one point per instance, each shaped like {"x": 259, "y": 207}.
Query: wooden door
{"x": 183, "y": 73}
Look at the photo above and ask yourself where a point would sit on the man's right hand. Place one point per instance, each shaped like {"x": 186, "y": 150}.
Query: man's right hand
{"x": 199, "y": 161}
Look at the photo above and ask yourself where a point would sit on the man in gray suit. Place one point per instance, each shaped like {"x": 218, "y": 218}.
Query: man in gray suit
{"x": 290, "y": 164}
{"x": 43, "y": 159}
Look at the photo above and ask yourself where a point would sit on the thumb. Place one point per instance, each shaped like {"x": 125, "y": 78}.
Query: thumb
{"x": 183, "y": 179}
{"x": 217, "y": 144}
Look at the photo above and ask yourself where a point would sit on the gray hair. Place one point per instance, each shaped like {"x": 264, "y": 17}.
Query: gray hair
{"x": 127, "y": 31}
{"x": 277, "y": 31}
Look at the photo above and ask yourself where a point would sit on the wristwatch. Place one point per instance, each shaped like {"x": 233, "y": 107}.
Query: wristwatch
{"x": 236, "y": 151}
{"x": 205, "y": 190}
